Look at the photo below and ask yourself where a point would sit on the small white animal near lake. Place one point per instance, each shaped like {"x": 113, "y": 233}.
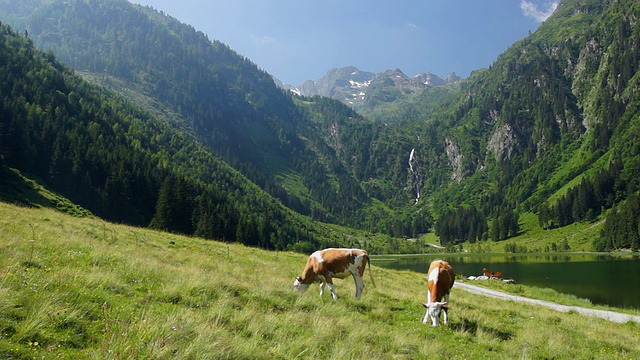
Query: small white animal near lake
{"x": 325, "y": 265}
{"x": 440, "y": 281}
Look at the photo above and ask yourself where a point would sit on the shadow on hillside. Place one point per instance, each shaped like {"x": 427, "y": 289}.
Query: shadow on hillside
{"x": 18, "y": 189}
{"x": 472, "y": 327}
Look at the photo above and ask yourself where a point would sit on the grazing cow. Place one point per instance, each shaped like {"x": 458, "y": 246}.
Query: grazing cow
{"x": 491, "y": 275}
{"x": 324, "y": 265}
{"x": 441, "y": 278}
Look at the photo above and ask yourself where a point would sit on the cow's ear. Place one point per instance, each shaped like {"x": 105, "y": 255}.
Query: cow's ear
{"x": 298, "y": 278}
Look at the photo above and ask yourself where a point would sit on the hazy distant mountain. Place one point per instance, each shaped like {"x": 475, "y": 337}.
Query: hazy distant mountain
{"x": 363, "y": 89}
{"x": 347, "y": 84}
{"x": 451, "y": 78}
{"x": 390, "y": 86}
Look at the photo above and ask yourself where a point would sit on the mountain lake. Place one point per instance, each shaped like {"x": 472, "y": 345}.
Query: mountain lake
{"x": 605, "y": 279}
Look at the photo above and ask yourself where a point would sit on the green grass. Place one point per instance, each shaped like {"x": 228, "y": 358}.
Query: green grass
{"x": 579, "y": 237}
{"x": 78, "y": 287}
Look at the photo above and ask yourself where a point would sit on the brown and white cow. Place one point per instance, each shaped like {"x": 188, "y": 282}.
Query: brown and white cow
{"x": 441, "y": 279}
{"x": 324, "y": 265}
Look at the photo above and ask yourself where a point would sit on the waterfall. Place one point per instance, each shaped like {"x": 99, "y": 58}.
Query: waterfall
{"x": 413, "y": 166}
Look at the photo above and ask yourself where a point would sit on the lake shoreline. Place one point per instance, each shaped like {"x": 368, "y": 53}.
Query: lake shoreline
{"x": 604, "y": 314}
{"x": 585, "y": 275}
{"x": 381, "y": 257}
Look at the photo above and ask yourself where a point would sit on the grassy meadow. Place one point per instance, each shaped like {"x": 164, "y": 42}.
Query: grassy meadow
{"x": 78, "y": 287}
{"x": 533, "y": 239}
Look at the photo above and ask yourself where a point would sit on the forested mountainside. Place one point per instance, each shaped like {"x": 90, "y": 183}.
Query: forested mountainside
{"x": 550, "y": 128}
{"x": 104, "y": 153}
{"x": 203, "y": 88}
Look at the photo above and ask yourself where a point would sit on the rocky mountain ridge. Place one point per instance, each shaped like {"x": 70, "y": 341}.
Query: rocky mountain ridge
{"x": 353, "y": 86}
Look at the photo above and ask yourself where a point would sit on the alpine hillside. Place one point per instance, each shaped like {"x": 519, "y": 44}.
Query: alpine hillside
{"x": 549, "y": 131}
{"x": 205, "y": 90}
{"x": 101, "y": 151}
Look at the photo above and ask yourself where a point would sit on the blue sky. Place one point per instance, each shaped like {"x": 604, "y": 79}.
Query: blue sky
{"x": 298, "y": 40}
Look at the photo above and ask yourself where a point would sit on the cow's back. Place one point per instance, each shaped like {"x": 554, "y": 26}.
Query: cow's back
{"x": 341, "y": 261}
{"x": 442, "y": 279}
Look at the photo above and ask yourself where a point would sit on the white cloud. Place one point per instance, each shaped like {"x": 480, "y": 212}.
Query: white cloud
{"x": 264, "y": 40}
{"x": 529, "y": 9}
{"x": 413, "y": 26}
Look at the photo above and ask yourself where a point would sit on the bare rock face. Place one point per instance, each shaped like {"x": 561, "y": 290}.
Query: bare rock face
{"x": 455, "y": 160}
{"x": 502, "y": 143}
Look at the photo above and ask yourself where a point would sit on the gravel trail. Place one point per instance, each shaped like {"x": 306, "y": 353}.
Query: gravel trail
{"x": 608, "y": 315}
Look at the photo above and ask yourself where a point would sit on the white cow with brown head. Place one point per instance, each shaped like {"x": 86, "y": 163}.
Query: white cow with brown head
{"x": 324, "y": 265}
{"x": 440, "y": 282}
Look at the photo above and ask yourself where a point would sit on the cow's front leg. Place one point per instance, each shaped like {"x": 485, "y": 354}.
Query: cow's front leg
{"x": 445, "y": 308}
{"x": 425, "y": 320}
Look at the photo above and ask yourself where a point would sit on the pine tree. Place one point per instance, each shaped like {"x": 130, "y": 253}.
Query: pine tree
{"x": 163, "y": 217}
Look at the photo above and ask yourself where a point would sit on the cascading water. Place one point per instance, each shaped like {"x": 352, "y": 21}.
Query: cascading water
{"x": 413, "y": 166}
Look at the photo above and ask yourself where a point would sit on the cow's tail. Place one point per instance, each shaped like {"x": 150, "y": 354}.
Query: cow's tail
{"x": 370, "y": 273}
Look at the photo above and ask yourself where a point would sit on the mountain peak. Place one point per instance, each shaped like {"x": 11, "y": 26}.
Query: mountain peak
{"x": 351, "y": 85}
{"x": 452, "y": 77}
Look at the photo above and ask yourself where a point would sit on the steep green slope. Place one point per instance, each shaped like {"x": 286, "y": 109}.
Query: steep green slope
{"x": 104, "y": 153}
{"x": 556, "y": 110}
{"x": 549, "y": 129}
{"x": 204, "y": 88}
{"x": 413, "y": 106}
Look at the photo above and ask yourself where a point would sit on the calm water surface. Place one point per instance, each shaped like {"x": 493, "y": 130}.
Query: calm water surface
{"x": 604, "y": 279}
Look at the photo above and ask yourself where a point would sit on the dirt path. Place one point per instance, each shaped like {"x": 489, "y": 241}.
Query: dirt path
{"x": 608, "y": 315}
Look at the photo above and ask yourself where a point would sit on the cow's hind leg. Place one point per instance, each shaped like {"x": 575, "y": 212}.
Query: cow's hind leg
{"x": 359, "y": 286}
{"x": 333, "y": 291}
{"x": 332, "y": 288}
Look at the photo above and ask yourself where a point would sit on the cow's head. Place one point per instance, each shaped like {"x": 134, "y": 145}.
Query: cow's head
{"x": 433, "y": 310}
{"x": 299, "y": 286}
